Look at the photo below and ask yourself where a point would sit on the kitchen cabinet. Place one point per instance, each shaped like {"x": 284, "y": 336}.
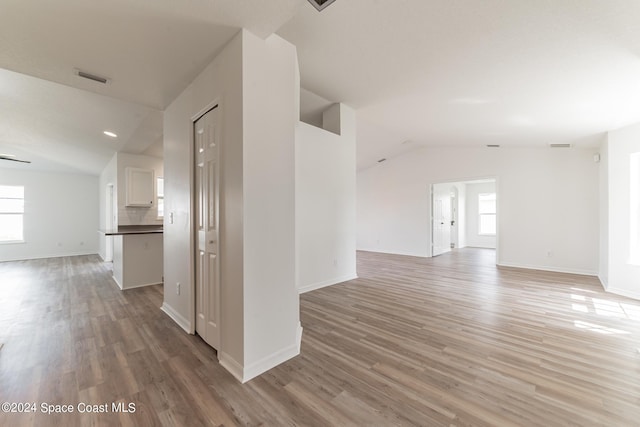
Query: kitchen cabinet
{"x": 139, "y": 188}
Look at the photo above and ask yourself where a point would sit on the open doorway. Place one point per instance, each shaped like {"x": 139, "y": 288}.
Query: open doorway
{"x": 464, "y": 214}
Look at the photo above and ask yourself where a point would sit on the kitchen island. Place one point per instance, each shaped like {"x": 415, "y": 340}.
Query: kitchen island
{"x": 137, "y": 255}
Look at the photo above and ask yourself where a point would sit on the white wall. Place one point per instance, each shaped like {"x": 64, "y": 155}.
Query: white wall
{"x": 474, "y": 238}
{"x": 61, "y": 214}
{"x": 623, "y": 277}
{"x": 325, "y": 203}
{"x": 255, "y": 82}
{"x": 548, "y": 202}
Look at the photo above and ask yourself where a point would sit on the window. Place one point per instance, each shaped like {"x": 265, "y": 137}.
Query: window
{"x": 487, "y": 211}
{"x": 160, "y": 196}
{"x": 11, "y": 213}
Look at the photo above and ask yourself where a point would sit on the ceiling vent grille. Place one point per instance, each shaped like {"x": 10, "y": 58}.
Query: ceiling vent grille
{"x": 321, "y": 4}
{"x": 493, "y": 145}
{"x": 382, "y": 160}
{"x": 92, "y": 77}
{"x": 560, "y": 145}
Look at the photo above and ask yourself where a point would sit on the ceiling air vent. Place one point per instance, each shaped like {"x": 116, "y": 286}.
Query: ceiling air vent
{"x": 560, "y": 145}
{"x": 493, "y": 145}
{"x": 93, "y": 77}
{"x": 382, "y": 160}
{"x": 321, "y": 4}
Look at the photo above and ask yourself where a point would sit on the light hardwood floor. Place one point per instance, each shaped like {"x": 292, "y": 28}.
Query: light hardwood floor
{"x": 447, "y": 341}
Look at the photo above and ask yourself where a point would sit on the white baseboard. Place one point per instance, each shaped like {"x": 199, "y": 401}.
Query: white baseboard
{"x": 247, "y": 373}
{"x": 552, "y": 269}
{"x": 604, "y": 281}
{"x": 117, "y": 283}
{"x": 231, "y": 365}
{"x": 176, "y": 317}
{"x": 299, "y": 336}
{"x": 140, "y": 286}
{"x": 271, "y": 361}
{"x": 23, "y": 258}
{"x": 624, "y": 292}
{"x": 325, "y": 283}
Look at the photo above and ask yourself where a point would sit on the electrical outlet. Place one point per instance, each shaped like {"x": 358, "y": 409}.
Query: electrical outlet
{"x": 178, "y": 288}
{"x": 335, "y": 262}
{"x": 549, "y": 254}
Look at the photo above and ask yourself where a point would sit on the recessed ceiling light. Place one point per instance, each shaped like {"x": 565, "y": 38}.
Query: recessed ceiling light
{"x": 111, "y": 134}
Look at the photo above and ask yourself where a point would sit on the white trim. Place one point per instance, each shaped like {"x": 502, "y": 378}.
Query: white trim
{"x": 247, "y": 373}
{"x": 299, "y": 336}
{"x": 49, "y": 256}
{"x": 117, "y": 283}
{"x": 547, "y": 268}
{"x": 268, "y": 362}
{"x": 231, "y": 365}
{"x": 603, "y": 281}
{"x": 325, "y": 283}
{"x": 624, "y": 292}
{"x": 378, "y": 251}
{"x": 140, "y": 286}
{"x": 176, "y": 317}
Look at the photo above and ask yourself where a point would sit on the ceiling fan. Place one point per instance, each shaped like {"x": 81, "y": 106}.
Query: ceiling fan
{"x": 12, "y": 158}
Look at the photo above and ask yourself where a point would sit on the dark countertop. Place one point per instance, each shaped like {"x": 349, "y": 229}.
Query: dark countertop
{"x": 133, "y": 229}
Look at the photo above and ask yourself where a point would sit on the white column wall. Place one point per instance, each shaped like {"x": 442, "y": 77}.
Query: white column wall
{"x": 623, "y": 277}
{"x": 255, "y": 82}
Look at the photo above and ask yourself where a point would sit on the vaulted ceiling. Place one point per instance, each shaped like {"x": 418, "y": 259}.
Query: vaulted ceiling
{"x": 418, "y": 72}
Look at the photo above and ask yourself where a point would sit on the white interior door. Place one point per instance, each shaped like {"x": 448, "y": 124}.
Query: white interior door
{"x": 207, "y": 132}
{"x": 441, "y": 229}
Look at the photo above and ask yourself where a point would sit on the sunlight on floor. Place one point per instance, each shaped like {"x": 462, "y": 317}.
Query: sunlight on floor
{"x": 605, "y": 308}
{"x": 598, "y": 328}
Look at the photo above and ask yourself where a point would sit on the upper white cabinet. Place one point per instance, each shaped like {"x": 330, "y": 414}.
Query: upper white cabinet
{"x": 140, "y": 187}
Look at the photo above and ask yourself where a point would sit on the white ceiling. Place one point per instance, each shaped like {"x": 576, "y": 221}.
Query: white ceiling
{"x": 422, "y": 72}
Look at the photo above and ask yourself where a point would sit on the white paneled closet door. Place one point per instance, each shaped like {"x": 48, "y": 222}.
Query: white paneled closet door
{"x": 207, "y": 134}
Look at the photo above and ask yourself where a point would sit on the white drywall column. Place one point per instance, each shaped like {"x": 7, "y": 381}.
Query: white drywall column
{"x": 623, "y": 277}
{"x": 270, "y": 109}
{"x": 255, "y": 84}
{"x": 325, "y": 200}
{"x": 604, "y": 212}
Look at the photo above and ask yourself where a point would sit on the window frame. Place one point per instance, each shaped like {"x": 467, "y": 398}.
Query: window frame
{"x": 19, "y": 212}
{"x": 482, "y": 214}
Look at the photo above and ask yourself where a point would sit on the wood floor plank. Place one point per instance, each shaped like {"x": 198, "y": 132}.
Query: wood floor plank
{"x": 446, "y": 341}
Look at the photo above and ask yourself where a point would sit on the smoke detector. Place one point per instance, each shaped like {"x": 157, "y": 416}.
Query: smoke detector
{"x": 321, "y": 4}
